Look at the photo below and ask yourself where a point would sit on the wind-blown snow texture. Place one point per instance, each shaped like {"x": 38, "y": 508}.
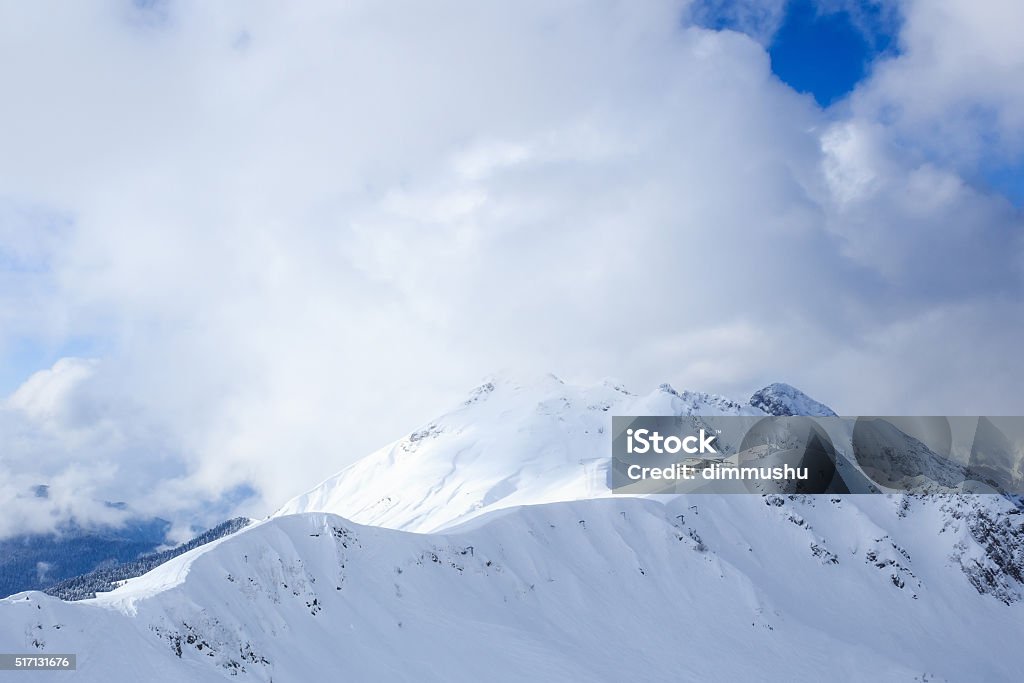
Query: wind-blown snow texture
{"x": 511, "y": 586}
{"x": 511, "y": 443}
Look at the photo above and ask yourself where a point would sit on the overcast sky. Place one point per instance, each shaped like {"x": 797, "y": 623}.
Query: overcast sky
{"x": 244, "y": 243}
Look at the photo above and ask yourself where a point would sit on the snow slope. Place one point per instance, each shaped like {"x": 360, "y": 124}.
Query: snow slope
{"x": 730, "y": 588}
{"x": 510, "y": 443}
{"x": 500, "y": 583}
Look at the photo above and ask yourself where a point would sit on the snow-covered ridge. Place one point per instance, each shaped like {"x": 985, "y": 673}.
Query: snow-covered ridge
{"x": 601, "y": 590}
{"x": 511, "y": 443}
{"x": 517, "y": 587}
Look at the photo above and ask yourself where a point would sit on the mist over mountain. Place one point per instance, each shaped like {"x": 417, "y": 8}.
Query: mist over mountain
{"x": 38, "y": 561}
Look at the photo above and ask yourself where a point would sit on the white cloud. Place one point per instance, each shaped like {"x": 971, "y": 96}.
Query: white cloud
{"x": 303, "y": 230}
{"x": 953, "y": 92}
{"x": 45, "y": 395}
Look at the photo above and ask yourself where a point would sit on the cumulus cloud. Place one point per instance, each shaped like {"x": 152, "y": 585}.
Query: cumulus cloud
{"x": 301, "y": 231}
{"x": 952, "y": 92}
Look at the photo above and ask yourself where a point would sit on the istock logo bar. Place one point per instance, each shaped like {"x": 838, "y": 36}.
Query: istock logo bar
{"x": 645, "y": 440}
{"x": 764, "y": 454}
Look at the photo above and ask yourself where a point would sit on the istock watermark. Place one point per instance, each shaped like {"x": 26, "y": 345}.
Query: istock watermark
{"x": 764, "y": 454}
{"x": 644, "y": 440}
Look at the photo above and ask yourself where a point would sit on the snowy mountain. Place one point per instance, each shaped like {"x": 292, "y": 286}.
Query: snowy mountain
{"x": 782, "y": 399}
{"x": 525, "y": 568}
{"x": 737, "y": 588}
{"x": 510, "y": 443}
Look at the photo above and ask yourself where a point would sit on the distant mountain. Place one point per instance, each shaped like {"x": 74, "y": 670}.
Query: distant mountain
{"x": 782, "y": 399}
{"x": 107, "y": 577}
{"x": 38, "y": 561}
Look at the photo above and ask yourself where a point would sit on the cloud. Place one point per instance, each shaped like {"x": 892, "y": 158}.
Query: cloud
{"x": 875, "y": 20}
{"x": 951, "y": 94}
{"x": 302, "y": 231}
{"x": 44, "y": 396}
{"x": 759, "y": 19}
{"x": 78, "y": 448}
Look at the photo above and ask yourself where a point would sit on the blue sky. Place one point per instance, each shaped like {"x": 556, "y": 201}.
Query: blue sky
{"x": 821, "y": 48}
{"x": 828, "y": 52}
{"x": 825, "y": 48}
{"x": 25, "y": 355}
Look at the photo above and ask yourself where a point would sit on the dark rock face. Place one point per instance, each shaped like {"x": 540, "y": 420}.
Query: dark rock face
{"x": 996, "y": 525}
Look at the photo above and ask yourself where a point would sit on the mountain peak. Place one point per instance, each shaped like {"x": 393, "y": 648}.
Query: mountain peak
{"x": 514, "y": 441}
{"x": 784, "y": 399}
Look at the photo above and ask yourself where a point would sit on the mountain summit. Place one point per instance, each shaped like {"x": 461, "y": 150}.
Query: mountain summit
{"x": 782, "y": 399}
{"x": 509, "y": 443}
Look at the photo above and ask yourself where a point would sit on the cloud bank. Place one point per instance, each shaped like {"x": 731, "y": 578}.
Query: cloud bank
{"x": 288, "y": 234}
